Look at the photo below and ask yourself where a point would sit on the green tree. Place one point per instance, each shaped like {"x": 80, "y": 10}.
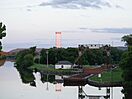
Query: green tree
{"x": 25, "y": 58}
{"x": 32, "y": 50}
{"x": 127, "y": 39}
{"x": 91, "y": 56}
{"x": 126, "y": 65}
{"x": 116, "y": 55}
{"x": 43, "y": 56}
{"x": 26, "y": 75}
{"x": 2, "y": 33}
{"x": 28, "y": 60}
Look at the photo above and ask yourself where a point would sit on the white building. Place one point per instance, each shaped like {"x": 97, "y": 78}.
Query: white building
{"x": 94, "y": 46}
{"x": 63, "y": 65}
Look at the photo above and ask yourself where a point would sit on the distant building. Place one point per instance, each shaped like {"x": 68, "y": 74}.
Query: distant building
{"x": 63, "y": 65}
{"x": 93, "y": 46}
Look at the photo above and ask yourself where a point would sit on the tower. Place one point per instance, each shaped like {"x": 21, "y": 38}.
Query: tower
{"x": 58, "y": 39}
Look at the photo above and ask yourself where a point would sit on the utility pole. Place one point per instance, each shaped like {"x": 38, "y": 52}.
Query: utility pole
{"x": 47, "y": 57}
{"x": 47, "y": 88}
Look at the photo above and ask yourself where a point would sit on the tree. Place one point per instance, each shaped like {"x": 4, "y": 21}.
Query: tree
{"x": 28, "y": 60}
{"x": 126, "y": 65}
{"x": 127, "y": 39}
{"x": 32, "y": 50}
{"x": 25, "y": 58}
{"x": 2, "y": 33}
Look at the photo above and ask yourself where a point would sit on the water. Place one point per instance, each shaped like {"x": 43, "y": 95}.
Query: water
{"x": 15, "y": 85}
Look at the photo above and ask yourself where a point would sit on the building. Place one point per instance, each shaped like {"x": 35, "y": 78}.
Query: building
{"x": 63, "y": 65}
{"x": 94, "y": 46}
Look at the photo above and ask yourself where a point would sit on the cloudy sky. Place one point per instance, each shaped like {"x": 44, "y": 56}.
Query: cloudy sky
{"x": 34, "y": 22}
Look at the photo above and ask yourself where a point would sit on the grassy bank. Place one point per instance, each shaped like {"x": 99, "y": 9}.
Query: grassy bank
{"x": 51, "y": 69}
{"x": 109, "y": 76}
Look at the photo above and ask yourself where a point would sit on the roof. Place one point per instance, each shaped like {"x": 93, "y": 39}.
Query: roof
{"x": 64, "y": 63}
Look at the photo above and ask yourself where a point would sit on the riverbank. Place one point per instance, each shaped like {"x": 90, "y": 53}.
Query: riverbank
{"x": 112, "y": 75}
{"x": 111, "y": 78}
{"x": 51, "y": 70}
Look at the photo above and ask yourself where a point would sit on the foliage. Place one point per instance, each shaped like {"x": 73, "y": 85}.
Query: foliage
{"x": 2, "y": 33}
{"x": 37, "y": 60}
{"x": 32, "y": 50}
{"x": 26, "y": 75}
{"x": 126, "y": 65}
{"x": 56, "y": 55}
{"x": 127, "y": 39}
{"x": 46, "y": 77}
{"x": 28, "y": 60}
{"x": 25, "y": 58}
{"x": 90, "y": 57}
{"x": 116, "y": 55}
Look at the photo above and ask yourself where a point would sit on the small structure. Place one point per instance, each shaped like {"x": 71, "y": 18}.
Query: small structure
{"x": 63, "y": 65}
{"x": 94, "y": 46}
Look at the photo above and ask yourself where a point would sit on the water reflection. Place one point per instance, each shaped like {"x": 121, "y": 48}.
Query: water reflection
{"x": 42, "y": 82}
{"x": 2, "y": 62}
{"x": 27, "y": 76}
{"x": 47, "y": 78}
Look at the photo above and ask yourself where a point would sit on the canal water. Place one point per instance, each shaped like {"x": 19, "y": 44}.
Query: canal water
{"x": 15, "y": 84}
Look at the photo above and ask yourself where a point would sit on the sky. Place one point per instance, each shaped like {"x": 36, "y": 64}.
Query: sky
{"x": 34, "y": 22}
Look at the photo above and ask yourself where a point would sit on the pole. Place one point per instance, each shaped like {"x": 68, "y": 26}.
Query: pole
{"x": 47, "y": 68}
{"x": 47, "y": 57}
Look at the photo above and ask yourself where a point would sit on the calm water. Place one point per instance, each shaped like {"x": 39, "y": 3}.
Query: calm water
{"x": 15, "y": 86}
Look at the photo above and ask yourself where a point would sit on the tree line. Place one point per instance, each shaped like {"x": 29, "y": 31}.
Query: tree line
{"x": 28, "y": 57}
{"x": 90, "y": 57}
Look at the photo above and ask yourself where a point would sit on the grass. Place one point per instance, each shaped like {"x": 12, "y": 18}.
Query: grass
{"x": 38, "y": 66}
{"x": 109, "y": 76}
{"x": 51, "y": 69}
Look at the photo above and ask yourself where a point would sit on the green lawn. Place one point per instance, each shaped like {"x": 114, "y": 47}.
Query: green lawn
{"x": 39, "y": 66}
{"x": 109, "y": 76}
{"x": 50, "y": 68}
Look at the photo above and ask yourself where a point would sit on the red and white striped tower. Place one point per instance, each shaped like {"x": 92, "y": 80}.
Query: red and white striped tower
{"x": 58, "y": 39}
